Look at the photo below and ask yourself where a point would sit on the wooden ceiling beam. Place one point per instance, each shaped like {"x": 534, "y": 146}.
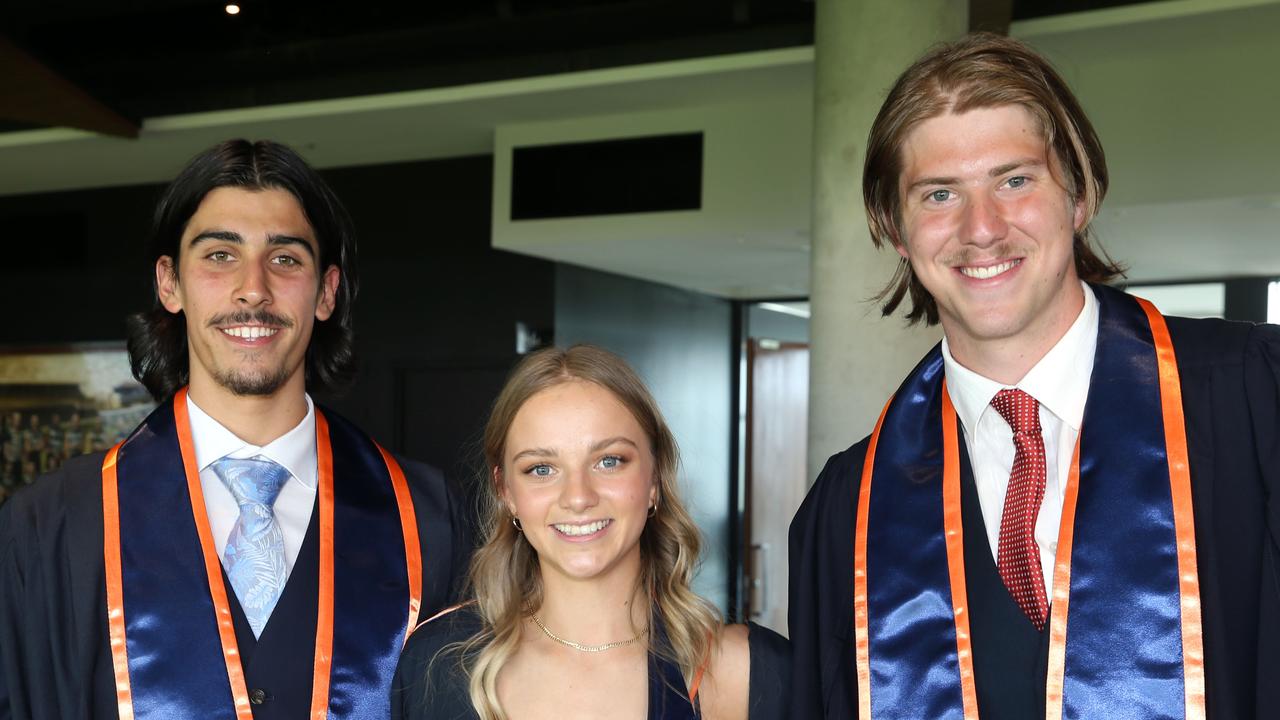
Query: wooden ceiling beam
{"x": 32, "y": 93}
{"x": 990, "y": 16}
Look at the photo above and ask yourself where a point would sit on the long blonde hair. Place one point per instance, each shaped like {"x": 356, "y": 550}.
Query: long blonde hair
{"x": 504, "y": 574}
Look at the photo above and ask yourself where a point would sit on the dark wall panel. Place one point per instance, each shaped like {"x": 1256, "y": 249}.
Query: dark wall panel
{"x": 71, "y": 263}
{"x": 680, "y": 342}
{"x": 1246, "y": 298}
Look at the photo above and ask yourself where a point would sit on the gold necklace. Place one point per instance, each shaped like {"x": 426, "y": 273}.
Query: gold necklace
{"x": 585, "y": 648}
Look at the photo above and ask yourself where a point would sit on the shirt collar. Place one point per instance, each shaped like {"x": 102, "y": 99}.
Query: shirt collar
{"x": 1059, "y": 381}
{"x": 295, "y": 450}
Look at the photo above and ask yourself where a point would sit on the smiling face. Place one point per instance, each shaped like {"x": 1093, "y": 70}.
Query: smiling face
{"x": 249, "y": 284}
{"x": 578, "y": 471}
{"x": 988, "y": 228}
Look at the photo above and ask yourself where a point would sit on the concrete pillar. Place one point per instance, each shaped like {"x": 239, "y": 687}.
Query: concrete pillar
{"x": 857, "y": 357}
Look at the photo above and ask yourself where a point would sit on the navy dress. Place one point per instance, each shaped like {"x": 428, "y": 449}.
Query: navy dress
{"x": 430, "y": 685}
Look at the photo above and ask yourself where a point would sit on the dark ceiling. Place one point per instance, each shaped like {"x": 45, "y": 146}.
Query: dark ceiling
{"x": 146, "y": 58}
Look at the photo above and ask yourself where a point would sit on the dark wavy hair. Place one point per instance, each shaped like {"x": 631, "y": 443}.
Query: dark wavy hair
{"x": 981, "y": 70}
{"x": 158, "y": 338}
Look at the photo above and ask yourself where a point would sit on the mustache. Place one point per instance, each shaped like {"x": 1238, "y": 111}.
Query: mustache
{"x": 245, "y": 317}
{"x": 969, "y": 256}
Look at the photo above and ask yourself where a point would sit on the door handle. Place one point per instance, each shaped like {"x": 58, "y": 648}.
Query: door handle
{"x": 759, "y": 579}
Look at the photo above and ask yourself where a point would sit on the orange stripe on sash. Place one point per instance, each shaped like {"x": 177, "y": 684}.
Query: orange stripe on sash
{"x": 1175, "y": 436}
{"x": 212, "y": 566}
{"x": 115, "y": 584}
{"x": 862, "y": 647}
{"x": 951, "y": 518}
{"x": 321, "y": 670}
{"x": 1061, "y": 592}
{"x": 412, "y": 550}
{"x": 1184, "y": 529}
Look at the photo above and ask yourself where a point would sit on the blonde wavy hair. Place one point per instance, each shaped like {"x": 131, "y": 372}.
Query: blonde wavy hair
{"x": 504, "y": 574}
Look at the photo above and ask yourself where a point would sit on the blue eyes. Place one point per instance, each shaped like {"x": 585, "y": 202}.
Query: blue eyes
{"x": 942, "y": 195}
{"x": 608, "y": 463}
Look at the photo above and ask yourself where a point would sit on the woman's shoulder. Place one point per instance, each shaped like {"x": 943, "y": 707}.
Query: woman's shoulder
{"x": 430, "y": 681}
{"x": 748, "y": 675}
{"x": 733, "y": 652}
{"x": 721, "y": 684}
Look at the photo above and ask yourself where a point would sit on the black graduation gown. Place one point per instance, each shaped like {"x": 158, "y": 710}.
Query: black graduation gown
{"x": 1230, "y": 377}
{"x": 55, "y": 661}
{"x": 431, "y": 685}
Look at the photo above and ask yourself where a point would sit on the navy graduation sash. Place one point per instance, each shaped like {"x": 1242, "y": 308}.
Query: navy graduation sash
{"x": 173, "y": 644}
{"x": 1125, "y": 632}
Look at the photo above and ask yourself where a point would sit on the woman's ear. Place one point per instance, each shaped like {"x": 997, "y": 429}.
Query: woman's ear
{"x": 501, "y": 488}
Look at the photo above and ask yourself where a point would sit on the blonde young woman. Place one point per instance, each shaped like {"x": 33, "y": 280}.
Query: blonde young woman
{"x": 582, "y": 602}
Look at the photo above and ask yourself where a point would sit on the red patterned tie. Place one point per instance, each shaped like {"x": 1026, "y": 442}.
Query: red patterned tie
{"x": 1017, "y": 556}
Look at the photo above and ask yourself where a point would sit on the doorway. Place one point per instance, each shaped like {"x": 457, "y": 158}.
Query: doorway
{"x": 775, "y": 442}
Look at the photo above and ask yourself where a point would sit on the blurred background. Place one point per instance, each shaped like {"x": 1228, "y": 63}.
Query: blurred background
{"x": 676, "y": 180}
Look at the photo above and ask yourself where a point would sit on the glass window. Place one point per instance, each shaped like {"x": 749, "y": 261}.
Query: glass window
{"x": 1186, "y": 300}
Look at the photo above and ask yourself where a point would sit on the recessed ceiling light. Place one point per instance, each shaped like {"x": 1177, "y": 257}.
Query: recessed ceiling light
{"x": 233, "y": 9}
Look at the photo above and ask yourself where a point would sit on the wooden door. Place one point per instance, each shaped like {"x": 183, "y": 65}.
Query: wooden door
{"x": 777, "y": 440}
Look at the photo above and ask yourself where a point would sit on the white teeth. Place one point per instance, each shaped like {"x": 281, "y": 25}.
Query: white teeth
{"x": 250, "y": 331}
{"x": 578, "y": 530}
{"x": 990, "y": 271}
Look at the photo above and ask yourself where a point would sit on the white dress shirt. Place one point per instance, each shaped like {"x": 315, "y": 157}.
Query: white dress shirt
{"x": 1060, "y": 382}
{"x": 295, "y": 450}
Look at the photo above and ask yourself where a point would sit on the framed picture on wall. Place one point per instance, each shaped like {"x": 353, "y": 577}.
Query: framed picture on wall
{"x": 60, "y": 401}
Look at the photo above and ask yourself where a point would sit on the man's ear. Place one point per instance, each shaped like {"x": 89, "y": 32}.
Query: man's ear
{"x": 328, "y": 299}
{"x": 167, "y": 289}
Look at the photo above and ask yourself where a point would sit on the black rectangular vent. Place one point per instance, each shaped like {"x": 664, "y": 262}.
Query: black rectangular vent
{"x": 608, "y": 177}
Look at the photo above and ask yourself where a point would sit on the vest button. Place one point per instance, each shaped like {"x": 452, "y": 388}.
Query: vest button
{"x": 257, "y": 696}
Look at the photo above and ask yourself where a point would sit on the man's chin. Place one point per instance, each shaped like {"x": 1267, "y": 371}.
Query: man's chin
{"x": 260, "y": 384}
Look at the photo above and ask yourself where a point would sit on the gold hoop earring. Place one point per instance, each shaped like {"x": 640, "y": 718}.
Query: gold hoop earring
{"x": 653, "y": 509}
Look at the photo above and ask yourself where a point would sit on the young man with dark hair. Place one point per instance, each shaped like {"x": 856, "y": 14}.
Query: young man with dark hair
{"x": 244, "y": 553}
{"x": 1071, "y": 507}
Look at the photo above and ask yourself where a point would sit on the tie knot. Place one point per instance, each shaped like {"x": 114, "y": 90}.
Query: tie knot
{"x": 251, "y": 480}
{"x": 1019, "y": 409}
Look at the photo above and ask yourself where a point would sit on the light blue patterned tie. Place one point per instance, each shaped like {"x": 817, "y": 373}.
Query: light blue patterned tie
{"x": 254, "y": 556}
